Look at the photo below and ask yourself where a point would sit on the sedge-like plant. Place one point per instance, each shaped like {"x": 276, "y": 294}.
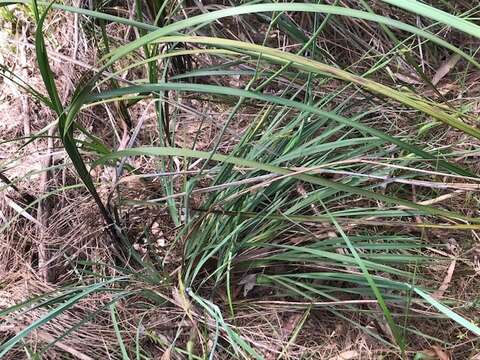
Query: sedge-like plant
{"x": 272, "y": 215}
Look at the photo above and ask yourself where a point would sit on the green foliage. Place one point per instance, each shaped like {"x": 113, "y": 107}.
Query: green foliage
{"x": 269, "y": 187}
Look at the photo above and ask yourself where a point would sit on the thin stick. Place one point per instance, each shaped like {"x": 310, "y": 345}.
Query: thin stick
{"x": 44, "y": 207}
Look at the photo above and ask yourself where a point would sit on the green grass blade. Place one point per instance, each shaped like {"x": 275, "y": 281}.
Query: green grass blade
{"x": 280, "y": 101}
{"x": 258, "y": 8}
{"x": 448, "y": 312}
{"x": 166, "y": 151}
{"x": 381, "y": 301}
{"x": 320, "y": 68}
{"x": 433, "y": 13}
{"x": 85, "y": 12}
{"x": 116, "y": 328}
{"x": 9, "y": 344}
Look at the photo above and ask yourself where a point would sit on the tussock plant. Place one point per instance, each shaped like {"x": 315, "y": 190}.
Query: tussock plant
{"x": 239, "y": 180}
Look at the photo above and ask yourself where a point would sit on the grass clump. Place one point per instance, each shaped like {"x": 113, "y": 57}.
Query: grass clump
{"x": 245, "y": 181}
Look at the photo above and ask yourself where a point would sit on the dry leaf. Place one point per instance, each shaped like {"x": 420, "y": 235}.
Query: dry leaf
{"x": 436, "y": 352}
{"x": 445, "y": 68}
{"x": 441, "y": 354}
{"x": 408, "y": 79}
{"x": 21, "y": 211}
{"x": 452, "y": 245}
{"x": 289, "y": 324}
{"x": 249, "y": 281}
{"x": 181, "y": 300}
{"x": 446, "y": 281}
{"x": 287, "y": 328}
{"x": 347, "y": 355}
{"x": 167, "y": 355}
